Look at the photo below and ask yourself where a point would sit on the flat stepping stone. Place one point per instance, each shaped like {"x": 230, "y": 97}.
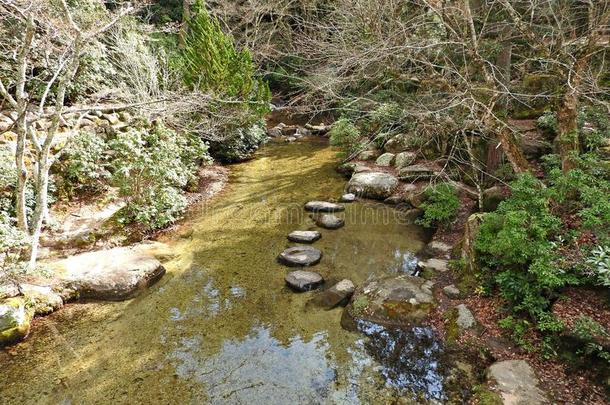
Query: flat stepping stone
{"x": 328, "y": 221}
{"x": 303, "y": 280}
{"x": 323, "y": 206}
{"x": 304, "y": 236}
{"x": 348, "y": 198}
{"x": 300, "y": 256}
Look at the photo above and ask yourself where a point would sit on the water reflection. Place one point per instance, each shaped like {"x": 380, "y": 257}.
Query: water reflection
{"x": 405, "y": 262}
{"x": 409, "y": 358}
{"x": 259, "y": 369}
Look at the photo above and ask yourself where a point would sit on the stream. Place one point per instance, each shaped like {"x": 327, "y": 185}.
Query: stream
{"x": 221, "y": 327}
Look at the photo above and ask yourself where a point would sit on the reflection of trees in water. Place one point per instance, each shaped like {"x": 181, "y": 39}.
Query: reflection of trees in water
{"x": 410, "y": 359}
{"x": 259, "y": 369}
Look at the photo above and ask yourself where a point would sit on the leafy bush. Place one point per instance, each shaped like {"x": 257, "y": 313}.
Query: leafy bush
{"x": 440, "y": 207}
{"x": 240, "y": 143}
{"x": 12, "y": 243}
{"x": 345, "y": 135}
{"x": 83, "y": 164}
{"x": 599, "y": 261}
{"x": 150, "y": 168}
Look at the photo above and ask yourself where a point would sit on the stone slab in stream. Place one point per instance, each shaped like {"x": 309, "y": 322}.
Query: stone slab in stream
{"x": 303, "y": 280}
{"x": 377, "y": 185}
{"x": 339, "y": 294}
{"x": 395, "y": 300}
{"x": 300, "y": 256}
{"x": 323, "y": 206}
{"x": 111, "y": 274}
{"x": 304, "y": 236}
{"x": 328, "y": 221}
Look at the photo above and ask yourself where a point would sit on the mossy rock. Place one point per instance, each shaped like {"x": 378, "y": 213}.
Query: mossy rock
{"x": 14, "y": 321}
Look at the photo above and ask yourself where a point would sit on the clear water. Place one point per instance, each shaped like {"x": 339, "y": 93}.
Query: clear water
{"x": 221, "y": 327}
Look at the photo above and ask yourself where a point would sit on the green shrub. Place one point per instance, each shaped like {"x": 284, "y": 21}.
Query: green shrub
{"x": 346, "y": 136}
{"x": 83, "y": 165}
{"x": 151, "y": 168}
{"x": 12, "y": 243}
{"x": 440, "y": 207}
{"x": 239, "y": 143}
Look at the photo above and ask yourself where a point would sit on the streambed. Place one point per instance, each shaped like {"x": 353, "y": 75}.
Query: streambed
{"x": 221, "y": 326}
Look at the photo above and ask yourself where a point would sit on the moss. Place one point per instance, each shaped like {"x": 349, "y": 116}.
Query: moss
{"x": 484, "y": 396}
{"x": 20, "y": 330}
{"x": 452, "y": 330}
{"x": 360, "y": 304}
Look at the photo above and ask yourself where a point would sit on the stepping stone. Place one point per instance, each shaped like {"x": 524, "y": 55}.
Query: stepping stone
{"x": 323, "y": 206}
{"x": 440, "y": 265}
{"x": 328, "y": 221}
{"x": 465, "y": 319}
{"x": 339, "y": 294}
{"x": 516, "y": 382}
{"x": 303, "y": 280}
{"x": 348, "y": 198}
{"x": 304, "y": 236}
{"x": 300, "y": 256}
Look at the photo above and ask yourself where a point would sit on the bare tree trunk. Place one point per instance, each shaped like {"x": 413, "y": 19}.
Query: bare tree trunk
{"x": 568, "y": 130}
{"x": 186, "y": 16}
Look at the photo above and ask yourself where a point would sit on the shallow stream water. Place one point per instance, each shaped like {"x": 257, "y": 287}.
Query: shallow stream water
{"x": 221, "y": 327}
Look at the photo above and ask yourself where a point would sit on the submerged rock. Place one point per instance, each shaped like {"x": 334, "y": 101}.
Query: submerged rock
{"x": 304, "y": 236}
{"x": 328, "y": 221}
{"x": 517, "y": 383}
{"x": 14, "y": 321}
{"x": 395, "y": 300}
{"x": 339, "y": 294}
{"x": 323, "y": 206}
{"x": 300, "y": 256}
{"x": 112, "y": 274}
{"x": 376, "y": 185}
{"x": 303, "y": 280}
{"x": 348, "y": 198}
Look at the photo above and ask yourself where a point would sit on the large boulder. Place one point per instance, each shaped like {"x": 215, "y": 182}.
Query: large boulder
{"x": 42, "y": 297}
{"x": 303, "y": 280}
{"x": 323, "y": 206}
{"x": 492, "y": 197}
{"x": 112, "y": 274}
{"x": 370, "y": 154}
{"x": 394, "y": 300}
{"x": 328, "y": 221}
{"x": 300, "y": 256}
{"x": 516, "y": 382}
{"x": 14, "y": 321}
{"x": 376, "y": 185}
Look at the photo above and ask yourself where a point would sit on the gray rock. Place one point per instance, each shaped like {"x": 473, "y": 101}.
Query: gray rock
{"x": 304, "y": 236}
{"x": 385, "y": 160}
{"x": 323, "y": 206}
{"x": 8, "y": 290}
{"x": 368, "y": 155}
{"x": 440, "y": 265}
{"x": 274, "y": 132}
{"x": 415, "y": 172}
{"x": 373, "y": 185}
{"x": 43, "y": 298}
{"x": 451, "y": 291}
{"x": 303, "y": 280}
{"x": 394, "y": 200}
{"x": 300, "y": 256}
{"x": 395, "y": 300}
{"x": 14, "y": 321}
{"x": 465, "y": 319}
{"x": 492, "y": 197}
{"x": 398, "y": 143}
{"x": 113, "y": 118}
{"x": 439, "y": 248}
{"x": 348, "y": 198}
{"x": 328, "y": 221}
{"x": 291, "y": 139}
{"x": 112, "y": 274}
{"x": 404, "y": 159}
{"x": 516, "y": 382}
{"x": 362, "y": 168}
{"x": 339, "y": 294}
{"x": 301, "y": 132}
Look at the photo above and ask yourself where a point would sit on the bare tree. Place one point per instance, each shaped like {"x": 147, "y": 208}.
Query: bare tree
{"x": 43, "y": 26}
